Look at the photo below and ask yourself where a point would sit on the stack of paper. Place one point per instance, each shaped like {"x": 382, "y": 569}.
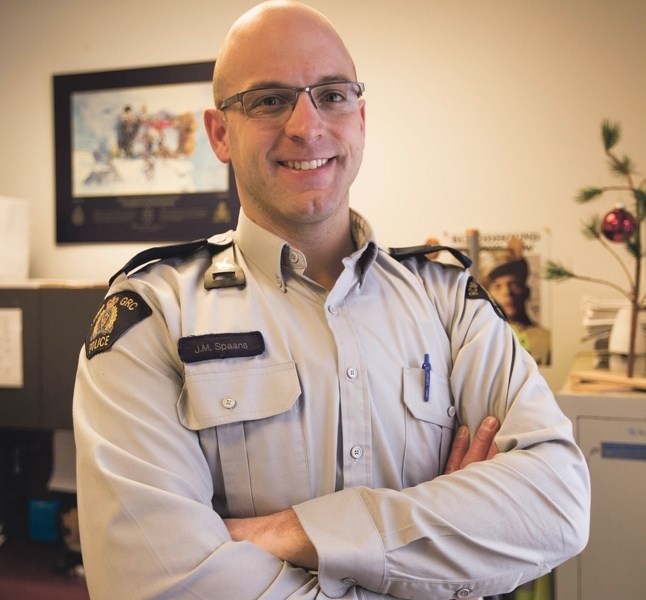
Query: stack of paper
{"x": 598, "y": 319}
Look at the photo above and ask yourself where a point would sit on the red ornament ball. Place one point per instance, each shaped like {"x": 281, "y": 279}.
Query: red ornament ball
{"x": 618, "y": 225}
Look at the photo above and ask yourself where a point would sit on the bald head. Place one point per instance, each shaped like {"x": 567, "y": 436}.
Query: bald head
{"x": 278, "y": 30}
{"x": 285, "y": 44}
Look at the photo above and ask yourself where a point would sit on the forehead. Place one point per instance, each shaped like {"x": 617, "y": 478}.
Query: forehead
{"x": 290, "y": 49}
{"x": 505, "y": 279}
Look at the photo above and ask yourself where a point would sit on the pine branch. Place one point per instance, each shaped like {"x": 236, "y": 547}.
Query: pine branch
{"x": 556, "y": 271}
{"x": 588, "y": 193}
{"x": 640, "y": 199}
{"x": 633, "y": 247}
{"x": 623, "y": 167}
{"x": 610, "y": 133}
{"x": 627, "y": 295}
{"x": 591, "y": 229}
{"x": 622, "y": 264}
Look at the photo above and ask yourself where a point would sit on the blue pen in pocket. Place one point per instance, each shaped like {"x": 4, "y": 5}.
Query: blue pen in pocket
{"x": 427, "y": 377}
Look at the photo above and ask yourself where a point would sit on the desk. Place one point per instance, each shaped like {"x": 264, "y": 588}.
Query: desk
{"x": 52, "y": 319}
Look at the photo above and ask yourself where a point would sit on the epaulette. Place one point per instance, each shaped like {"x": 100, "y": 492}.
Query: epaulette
{"x": 413, "y": 251}
{"x": 215, "y": 243}
{"x": 474, "y": 291}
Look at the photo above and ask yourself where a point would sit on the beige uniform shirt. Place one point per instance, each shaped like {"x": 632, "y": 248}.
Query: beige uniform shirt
{"x": 197, "y": 405}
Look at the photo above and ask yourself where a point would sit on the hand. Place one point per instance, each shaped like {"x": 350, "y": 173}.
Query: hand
{"x": 464, "y": 452}
{"x": 280, "y": 534}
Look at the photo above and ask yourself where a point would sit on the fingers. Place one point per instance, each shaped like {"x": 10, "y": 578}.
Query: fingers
{"x": 493, "y": 450}
{"x": 482, "y": 446}
{"x": 465, "y": 451}
{"x": 458, "y": 450}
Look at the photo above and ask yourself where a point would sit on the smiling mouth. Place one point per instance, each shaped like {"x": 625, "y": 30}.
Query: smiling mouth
{"x": 305, "y": 165}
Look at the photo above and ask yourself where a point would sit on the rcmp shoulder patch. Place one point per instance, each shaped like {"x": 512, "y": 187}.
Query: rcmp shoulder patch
{"x": 475, "y": 291}
{"x": 118, "y": 313}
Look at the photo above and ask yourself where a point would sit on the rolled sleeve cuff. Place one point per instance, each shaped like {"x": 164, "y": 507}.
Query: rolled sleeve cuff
{"x": 349, "y": 546}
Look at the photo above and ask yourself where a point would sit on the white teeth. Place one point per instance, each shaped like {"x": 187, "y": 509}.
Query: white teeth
{"x": 305, "y": 165}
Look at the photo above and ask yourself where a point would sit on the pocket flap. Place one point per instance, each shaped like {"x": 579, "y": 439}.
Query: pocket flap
{"x": 439, "y": 409}
{"x": 217, "y": 398}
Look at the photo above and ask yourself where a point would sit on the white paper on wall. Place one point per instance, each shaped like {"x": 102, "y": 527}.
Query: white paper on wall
{"x": 14, "y": 238}
{"x": 11, "y": 367}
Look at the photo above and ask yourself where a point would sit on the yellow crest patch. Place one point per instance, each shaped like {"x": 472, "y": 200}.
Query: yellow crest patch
{"x": 118, "y": 313}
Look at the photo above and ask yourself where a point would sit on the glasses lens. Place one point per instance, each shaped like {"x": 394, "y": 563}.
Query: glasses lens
{"x": 336, "y": 98}
{"x": 267, "y": 103}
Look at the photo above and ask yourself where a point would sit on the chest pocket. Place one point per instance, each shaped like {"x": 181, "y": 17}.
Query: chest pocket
{"x": 430, "y": 426}
{"x": 253, "y": 416}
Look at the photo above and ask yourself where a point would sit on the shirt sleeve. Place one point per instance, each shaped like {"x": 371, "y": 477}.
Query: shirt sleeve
{"x": 486, "y": 528}
{"x": 145, "y": 489}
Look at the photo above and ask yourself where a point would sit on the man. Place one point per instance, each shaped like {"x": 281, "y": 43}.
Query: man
{"x": 270, "y": 414}
{"x": 507, "y": 284}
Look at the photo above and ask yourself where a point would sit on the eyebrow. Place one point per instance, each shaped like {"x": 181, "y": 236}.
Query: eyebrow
{"x": 274, "y": 83}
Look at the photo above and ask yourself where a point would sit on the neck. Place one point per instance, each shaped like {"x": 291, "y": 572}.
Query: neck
{"x": 325, "y": 246}
{"x": 325, "y": 259}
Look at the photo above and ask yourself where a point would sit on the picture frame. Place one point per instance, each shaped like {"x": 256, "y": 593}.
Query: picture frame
{"x": 132, "y": 159}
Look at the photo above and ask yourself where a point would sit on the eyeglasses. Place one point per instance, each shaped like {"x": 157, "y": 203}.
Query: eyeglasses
{"x": 333, "y": 98}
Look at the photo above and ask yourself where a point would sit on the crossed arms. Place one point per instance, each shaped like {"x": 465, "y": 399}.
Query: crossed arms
{"x": 282, "y": 535}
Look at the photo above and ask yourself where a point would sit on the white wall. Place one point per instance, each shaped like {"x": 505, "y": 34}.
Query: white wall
{"x": 481, "y": 113}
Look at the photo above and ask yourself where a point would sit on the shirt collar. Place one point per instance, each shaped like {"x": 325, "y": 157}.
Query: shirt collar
{"x": 364, "y": 239}
{"x": 271, "y": 254}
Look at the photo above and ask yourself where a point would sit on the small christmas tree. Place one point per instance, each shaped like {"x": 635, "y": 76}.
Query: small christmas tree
{"x": 619, "y": 226}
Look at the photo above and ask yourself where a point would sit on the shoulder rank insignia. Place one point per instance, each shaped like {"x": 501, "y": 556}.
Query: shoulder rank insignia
{"x": 118, "y": 313}
{"x": 403, "y": 253}
{"x": 159, "y": 253}
{"x": 476, "y": 292}
{"x": 182, "y": 250}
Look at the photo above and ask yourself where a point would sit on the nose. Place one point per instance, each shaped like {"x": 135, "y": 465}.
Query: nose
{"x": 304, "y": 122}
{"x": 307, "y": 91}
{"x": 507, "y": 291}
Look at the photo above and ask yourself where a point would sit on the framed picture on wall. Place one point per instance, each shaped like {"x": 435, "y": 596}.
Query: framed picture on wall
{"x": 133, "y": 162}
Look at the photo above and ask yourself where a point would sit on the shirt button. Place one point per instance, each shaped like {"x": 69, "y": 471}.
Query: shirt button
{"x": 333, "y": 310}
{"x": 356, "y": 452}
{"x": 463, "y": 593}
{"x": 228, "y": 403}
{"x": 352, "y": 372}
{"x": 293, "y": 257}
{"x": 451, "y": 411}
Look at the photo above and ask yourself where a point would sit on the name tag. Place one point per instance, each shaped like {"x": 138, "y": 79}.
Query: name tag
{"x": 211, "y": 346}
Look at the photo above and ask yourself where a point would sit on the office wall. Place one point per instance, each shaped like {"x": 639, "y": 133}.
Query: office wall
{"x": 481, "y": 113}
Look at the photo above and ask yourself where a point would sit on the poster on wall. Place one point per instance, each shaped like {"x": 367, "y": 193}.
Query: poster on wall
{"x": 133, "y": 161}
{"x": 509, "y": 266}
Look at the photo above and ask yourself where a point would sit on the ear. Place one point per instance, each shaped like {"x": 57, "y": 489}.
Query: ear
{"x": 216, "y": 128}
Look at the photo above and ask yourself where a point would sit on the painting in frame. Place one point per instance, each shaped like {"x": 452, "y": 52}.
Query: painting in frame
{"x": 133, "y": 161}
